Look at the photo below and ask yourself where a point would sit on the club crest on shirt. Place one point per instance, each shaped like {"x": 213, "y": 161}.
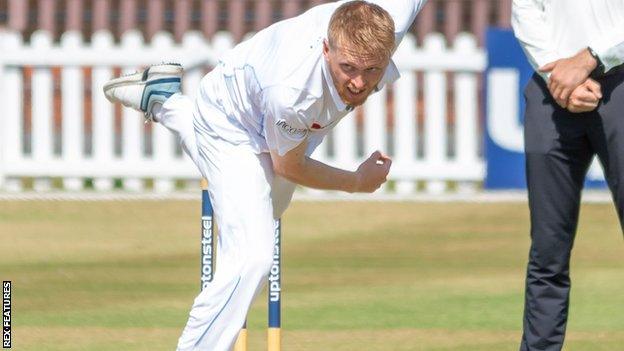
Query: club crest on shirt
{"x": 317, "y": 126}
{"x": 290, "y": 130}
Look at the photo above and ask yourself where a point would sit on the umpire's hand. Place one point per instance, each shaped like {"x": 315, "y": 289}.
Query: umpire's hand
{"x": 585, "y": 97}
{"x": 567, "y": 74}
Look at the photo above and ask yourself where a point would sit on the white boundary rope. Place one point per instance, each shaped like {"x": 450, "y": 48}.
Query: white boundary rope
{"x": 477, "y": 197}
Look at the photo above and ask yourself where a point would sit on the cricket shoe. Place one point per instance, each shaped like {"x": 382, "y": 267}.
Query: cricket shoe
{"x": 142, "y": 90}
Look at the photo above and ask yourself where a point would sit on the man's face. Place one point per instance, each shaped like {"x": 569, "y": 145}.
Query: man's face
{"x": 355, "y": 74}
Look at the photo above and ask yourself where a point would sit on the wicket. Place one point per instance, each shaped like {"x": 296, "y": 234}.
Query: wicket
{"x": 207, "y": 259}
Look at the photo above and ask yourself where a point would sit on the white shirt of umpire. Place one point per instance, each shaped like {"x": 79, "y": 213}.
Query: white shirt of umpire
{"x": 554, "y": 29}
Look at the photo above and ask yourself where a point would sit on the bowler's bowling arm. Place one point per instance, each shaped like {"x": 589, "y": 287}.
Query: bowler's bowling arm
{"x": 301, "y": 169}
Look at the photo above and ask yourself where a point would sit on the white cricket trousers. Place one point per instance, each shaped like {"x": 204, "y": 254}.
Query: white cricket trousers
{"x": 247, "y": 198}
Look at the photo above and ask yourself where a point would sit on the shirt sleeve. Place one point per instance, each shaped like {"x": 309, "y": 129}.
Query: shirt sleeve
{"x": 284, "y": 128}
{"x": 531, "y": 29}
{"x": 610, "y": 56}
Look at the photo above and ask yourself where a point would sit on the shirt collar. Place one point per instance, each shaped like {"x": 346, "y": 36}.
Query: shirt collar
{"x": 340, "y": 105}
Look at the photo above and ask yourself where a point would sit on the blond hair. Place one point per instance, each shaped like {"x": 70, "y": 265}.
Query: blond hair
{"x": 365, "y": 28}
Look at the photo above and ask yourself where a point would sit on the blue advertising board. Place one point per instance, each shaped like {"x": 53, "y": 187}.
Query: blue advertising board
{"x": 507, "y": 74}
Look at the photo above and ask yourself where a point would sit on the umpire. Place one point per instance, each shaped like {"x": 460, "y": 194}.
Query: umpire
{"x": 574, "y": 110}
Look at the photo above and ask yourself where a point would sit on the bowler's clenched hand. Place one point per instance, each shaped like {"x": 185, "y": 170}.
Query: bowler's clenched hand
{"x": 373, "y": 172}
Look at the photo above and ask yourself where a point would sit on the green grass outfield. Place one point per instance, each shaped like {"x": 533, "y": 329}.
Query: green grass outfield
{"x": 357, "y": 276}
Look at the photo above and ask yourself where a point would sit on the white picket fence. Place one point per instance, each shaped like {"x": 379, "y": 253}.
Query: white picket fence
{"x": 428, "y": 155}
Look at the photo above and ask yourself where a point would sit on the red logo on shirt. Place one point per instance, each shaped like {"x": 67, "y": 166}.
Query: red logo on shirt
{"x": 318, "y": 126}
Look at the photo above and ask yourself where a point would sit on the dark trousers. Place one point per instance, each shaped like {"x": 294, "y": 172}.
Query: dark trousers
{"x": 559, "y": 148}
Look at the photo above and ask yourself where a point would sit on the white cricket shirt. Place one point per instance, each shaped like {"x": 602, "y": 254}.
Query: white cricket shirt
{"x": 553, "y": 29}
{"x": 274, "y": 90}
